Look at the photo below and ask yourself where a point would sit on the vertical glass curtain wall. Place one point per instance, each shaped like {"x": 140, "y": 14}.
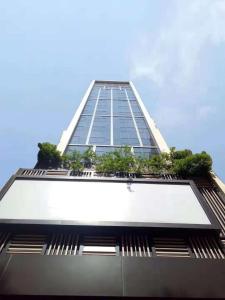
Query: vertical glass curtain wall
{"x": 112, "y": 118}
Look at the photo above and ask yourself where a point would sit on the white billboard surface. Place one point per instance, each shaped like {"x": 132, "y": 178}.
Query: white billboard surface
{"x": 90, "y": 201}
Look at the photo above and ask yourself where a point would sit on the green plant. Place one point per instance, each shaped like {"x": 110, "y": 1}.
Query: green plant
{"x": 182, "y": 162}
{"x": 89, "y": 158}
{"x": 121, "y": 160}
{"x": 199, "y": 164}
{"x": 74, "y": 160}
{"x": 105, "y": 163}
{"x": 179, "y": 154}
{"x": 48, "y": 156}
{"x": 159, "y": 163}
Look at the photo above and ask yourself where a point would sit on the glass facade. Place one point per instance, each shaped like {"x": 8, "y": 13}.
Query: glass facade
{"x": 112, "y": 118}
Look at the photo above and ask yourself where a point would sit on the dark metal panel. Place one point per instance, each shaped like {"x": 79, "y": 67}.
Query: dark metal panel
{"x": 4, "y": 261}
{"x": 192, "y": 278}
{"x": 173, "y": 278}
{"x": 140, "y": 277}
{"x": 62, "y": 275}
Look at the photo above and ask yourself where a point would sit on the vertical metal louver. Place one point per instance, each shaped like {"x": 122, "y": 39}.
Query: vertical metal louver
{"x": 3, "y": 239}
{"x": 171, "y": 177}
{"x": 127, "y": 244}
{"x": 206, "y": 247}
{"x": 135, "y": 245}
{"x": 26, "y": 244}
{"x": 33, "y": 172}
{"x": 216, "y": 204}
{"x": 63, "y": 244}
{"x": 170, "y": 247}
{"x": 82, "y": 174}
{"x": 99, "y": 245}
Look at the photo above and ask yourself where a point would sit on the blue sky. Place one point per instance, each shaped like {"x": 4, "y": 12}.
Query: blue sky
{"x": 173, "y": 51}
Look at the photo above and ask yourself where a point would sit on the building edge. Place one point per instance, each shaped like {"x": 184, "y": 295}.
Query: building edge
{"x": 66, "y": 135}
{"x": 161, "y": 143}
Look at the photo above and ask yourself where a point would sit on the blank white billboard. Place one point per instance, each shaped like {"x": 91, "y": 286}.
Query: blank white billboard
{"x": 90, "y": 201}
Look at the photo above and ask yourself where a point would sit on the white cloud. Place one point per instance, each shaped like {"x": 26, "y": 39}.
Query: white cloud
{"x": 175, "y": 61}
{"x": 175, "y": 54}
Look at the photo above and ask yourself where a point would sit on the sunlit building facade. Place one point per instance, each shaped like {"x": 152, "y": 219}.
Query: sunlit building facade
{"x": 112, "y": 115}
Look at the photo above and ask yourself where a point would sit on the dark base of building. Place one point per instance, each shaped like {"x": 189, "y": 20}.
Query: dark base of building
{"x": 99, "y": 276}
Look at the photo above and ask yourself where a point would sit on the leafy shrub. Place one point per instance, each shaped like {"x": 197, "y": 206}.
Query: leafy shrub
{"x": 179, "y": 154}
{"x": 88, "y": 158}
{"x": 182, "y": 162}
{"x": 48, "y": 156}
{"x": 73, "y": 161}
{"x": 199, "y": 164}
{"x": 121, "y": 160}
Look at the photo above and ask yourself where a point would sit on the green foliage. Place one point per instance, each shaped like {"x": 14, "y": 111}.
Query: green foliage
{"x": 89, "y": 158}
{"x": 48, "y": 156}
{"x": 77, "y": 161}
{"x": 183, "y": 162}
{"x": 159, "y": 164}
{"x": 179, "y": 154}
{"x": 74, "y": 161}
{"x": 199, "y": 164}
{"x": 121, "y": 160}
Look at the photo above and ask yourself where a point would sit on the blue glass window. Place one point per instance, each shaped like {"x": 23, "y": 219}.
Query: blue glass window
{"x": 105, "y": 94}
{"x": 104, "y": 107}
{"x": 145, "y": 152}
{"x": 144, "y": 132}
{"x": 100, "y": 133}
{"x": 78, "y": 148}
{"x": 130, "y": 94}
{"x": 136, "y": 109}
{"x": 119, "y": 95}
{"x": 94, "y": 92}
{"x": 101, "y": 150}
{"x": 121, "y": 108}
{"x": 81, "y": 131}
{"x": 89, "y": 107}
{"x": 124, "y": 131}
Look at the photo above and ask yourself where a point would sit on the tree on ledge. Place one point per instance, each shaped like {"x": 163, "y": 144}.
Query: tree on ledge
{"x": 122, "y": 161}
{"x": 48, "y": 156}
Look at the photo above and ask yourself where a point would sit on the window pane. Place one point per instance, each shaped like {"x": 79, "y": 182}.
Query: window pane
{"x": 144, "y": 132}
{"x": 78, "y": 148}
{"x": 145, "y": 152}
{"x": 81, "y": 131}
{"x": 100, "y": 133}
{"x": 124, "y": 131}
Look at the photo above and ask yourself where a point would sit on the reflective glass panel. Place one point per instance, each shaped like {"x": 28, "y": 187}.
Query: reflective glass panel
{"x": 100, "y": 133}
{"x": 78, "y": 148}
{"x": 104, "y": 107}
{"x": 101, "y": 150}
{"x": 124, "y": 131}
{"x": 144, "y": 132}
{"x": 145, "y": 152}
{"x": 81, "y": 131}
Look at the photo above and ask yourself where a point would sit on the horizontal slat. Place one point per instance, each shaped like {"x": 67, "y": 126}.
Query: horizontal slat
{"x": 26, "y": 243}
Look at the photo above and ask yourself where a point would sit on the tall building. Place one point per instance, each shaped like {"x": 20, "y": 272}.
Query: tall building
{"x": 112, "y": 115}
{"x": 91, "y": 236}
